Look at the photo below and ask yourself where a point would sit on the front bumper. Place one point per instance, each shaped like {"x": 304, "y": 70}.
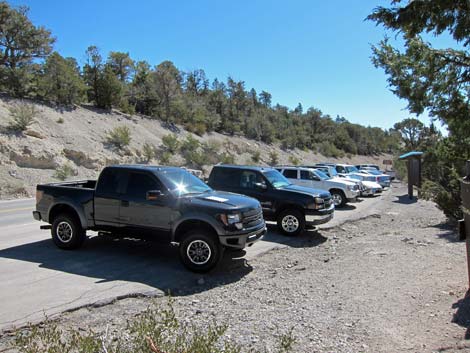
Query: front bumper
{"x": 242, "y": 240}
{"x": 351, "y": 195}
{"x": 315, "y": 217}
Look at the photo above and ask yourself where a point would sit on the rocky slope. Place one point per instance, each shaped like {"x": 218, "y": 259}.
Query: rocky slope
{"x": 77, "y": 137}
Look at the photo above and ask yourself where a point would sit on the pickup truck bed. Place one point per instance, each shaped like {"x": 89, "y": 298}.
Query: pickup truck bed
{"x": 76, "y": 194}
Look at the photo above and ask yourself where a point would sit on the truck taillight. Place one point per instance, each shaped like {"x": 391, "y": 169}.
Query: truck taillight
{"x": 39, "y": 195}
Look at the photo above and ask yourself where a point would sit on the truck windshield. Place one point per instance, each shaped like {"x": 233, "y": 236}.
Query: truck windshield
{"x": 276, "y": 179}
{"x": 181, "y": 182}
{"x": 322, "y": 175}
{"x": 351, "y": 169}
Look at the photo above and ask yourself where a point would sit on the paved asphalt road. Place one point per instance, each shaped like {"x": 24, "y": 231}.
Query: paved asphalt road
{"x": 38, "y": 279}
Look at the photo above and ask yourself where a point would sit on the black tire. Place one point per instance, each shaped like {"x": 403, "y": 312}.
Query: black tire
{"x": 67, "y": 232}
{"x": 339, "y": 198}
{"x": 200, "y": 251}
{"x": 291, "y": 222}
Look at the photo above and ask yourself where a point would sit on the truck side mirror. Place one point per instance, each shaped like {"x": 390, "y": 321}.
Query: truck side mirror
{"x": 153, "y": 195}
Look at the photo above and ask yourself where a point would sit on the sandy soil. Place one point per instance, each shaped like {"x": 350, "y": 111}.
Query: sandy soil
{"x": 392, "y": 282}
{"x": 78, "y": 137}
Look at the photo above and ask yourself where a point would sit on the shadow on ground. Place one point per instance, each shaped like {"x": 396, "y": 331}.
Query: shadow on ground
{"x": 448, "y": 232}
{"x": 462, "y": 315}
{"x": 149, "y": 263}
{"x": 405, "y": 200}
{"x": 347, "y": 207}
{"x": 308, "y": 239}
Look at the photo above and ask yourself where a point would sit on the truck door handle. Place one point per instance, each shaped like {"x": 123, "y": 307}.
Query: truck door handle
{"x": 124, "y": 203}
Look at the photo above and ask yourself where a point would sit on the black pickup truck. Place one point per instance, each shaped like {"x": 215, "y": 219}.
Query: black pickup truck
{"x": 161, "y": 203}
{"x": 292, "y": 207}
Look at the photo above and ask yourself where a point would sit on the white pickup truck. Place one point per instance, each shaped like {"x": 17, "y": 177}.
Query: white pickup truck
{"x": 342, "y": 191}
{"x": 367, "y": 187}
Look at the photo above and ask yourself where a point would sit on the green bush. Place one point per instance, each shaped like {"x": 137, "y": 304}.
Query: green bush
{"x": 273, "y": 158}
{"x": 149, "y": 152}
{"x": 165, "y": 158}
{"x": 22, "y": 116}
{"x": 60, "y": 120}
{"x": 447, "y": 200}
{"x": 294, "y": 160}
{"x": 63, "y": 172}
{"x": 190, "y": 144}
{"x": 328, "y": 149}
{"x": 157, "y": 329}
{"x": 227, "y": 158}
{"x": 256, "y": 156}
{"x": 119, "y": 137}
{"x": 171, "y": 143}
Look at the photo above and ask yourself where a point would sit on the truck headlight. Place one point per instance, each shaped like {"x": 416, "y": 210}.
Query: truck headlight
{"x": 318, "y": 204}
{"x": 229, "y": 219}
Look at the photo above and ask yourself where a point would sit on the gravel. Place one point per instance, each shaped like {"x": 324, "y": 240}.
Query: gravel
{"x": 394, "y": 281}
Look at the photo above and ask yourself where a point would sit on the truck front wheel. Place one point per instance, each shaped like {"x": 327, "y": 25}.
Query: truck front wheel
{"x": 339, "y": 198}
{"x": 67, "y": 233}
{"x": 291, "y": 222}
{"x": 200, "y": 251}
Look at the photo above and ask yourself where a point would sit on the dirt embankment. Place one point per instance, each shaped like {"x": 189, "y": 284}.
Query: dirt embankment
{"x": 393, "y": 282}
{"x": 77, "y": 138}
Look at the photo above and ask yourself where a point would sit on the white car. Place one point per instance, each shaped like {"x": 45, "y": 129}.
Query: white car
{"x": 342, "y": 191}
{"x": 368, "y": 188}
{"x": 369, "y": 182}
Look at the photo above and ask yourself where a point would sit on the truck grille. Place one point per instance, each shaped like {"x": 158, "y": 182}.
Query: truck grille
{"x": 252, "y": 218}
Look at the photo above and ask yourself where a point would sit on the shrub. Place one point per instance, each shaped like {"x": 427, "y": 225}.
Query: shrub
{"x": 149, "y": 152}
{"x": 22, "y": 116}
{"x": 256, "y": 156}
{"x": 170, "y": 143}
{"x": 119, "y": 137}
{"x": 273, "y": 158}
{"x": 60, "y": 120}
{"x": 63, "y": 172}
{"x": 447, "y": 200}
{"x": 165, "y": 158}
{"x": 294, "y": 160}
{"x": 328, "y": 149}
{"x": 157, "y": 329}
{"x": 190, "y": 144}
{"x": 227, "y": 158}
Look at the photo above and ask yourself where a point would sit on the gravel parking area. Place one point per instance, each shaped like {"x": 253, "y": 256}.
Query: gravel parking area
{"x": 394, "y": 281}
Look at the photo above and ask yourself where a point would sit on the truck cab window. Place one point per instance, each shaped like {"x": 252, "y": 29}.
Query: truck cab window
{"x": 139, "y": 184}
{"x": 249, "y": 179}
{"x": 108, "y": 183}
{"x": 290, "y": 173}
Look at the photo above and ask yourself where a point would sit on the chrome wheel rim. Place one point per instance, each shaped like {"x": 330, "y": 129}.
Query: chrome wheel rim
{"x": 64, "y": 232}
{"x": 290, "y": 223}
{"x": 199, "y": 252}
{"x": 337, "y": 199}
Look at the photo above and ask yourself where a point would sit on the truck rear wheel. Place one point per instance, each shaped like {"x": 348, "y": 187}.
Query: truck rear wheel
{"x": 200, "y": 251}
{"x": 291, "y": 222}
{"x": 67, "y": 233}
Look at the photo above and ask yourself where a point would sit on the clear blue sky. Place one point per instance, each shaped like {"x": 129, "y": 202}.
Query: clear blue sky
{"x": 309, "y": 51}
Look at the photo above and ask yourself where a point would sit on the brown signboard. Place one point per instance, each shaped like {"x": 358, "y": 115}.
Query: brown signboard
{"x": 387, "y": 162}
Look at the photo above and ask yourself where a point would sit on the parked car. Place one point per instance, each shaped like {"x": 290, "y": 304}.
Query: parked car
{"x": 372, "y": 187}
{"x": 366, "y": 166}
{"x": 158, "y": 203}
{"x": 367, "y": 188}
{"x": 293, "y": 207}
{"x": 381, "y": 178}
{"x": 365, "y": 177}
{"x": 341, "y": 190}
